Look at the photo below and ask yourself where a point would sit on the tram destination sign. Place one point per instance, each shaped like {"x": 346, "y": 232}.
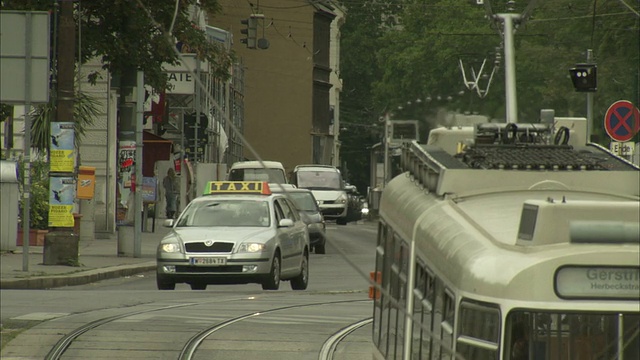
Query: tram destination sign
{"x": 598, "y": 282}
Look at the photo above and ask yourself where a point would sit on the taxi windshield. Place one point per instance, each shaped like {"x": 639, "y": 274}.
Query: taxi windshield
{"x": 227, "y": 212}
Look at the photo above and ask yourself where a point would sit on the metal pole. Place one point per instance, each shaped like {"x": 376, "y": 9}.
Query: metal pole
{"x": 510, "y": 67}
{"x": 26, "y": 186}
{"x": 408, "y": 321}
{"x": 385, "y": 178}
{"x": 589, "y": 102}
{"x": 196, "y": 158}
{"x": 137, "y": 223}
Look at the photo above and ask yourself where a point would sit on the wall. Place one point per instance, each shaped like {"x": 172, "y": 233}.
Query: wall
{"x": 278, "y": 80}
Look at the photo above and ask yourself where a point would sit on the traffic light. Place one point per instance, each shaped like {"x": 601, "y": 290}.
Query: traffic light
{"x": 190, "y": 128}
{"x": 251, "y": 32}
{"x": 584, "y": 77}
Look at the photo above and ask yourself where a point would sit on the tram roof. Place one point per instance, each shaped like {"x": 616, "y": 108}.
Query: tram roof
{"x": 473, "y": 241}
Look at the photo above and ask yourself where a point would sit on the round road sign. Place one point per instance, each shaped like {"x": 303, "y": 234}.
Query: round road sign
{"x": 622, "y": 120}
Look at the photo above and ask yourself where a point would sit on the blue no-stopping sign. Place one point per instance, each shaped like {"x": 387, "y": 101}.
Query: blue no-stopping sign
{"x": 622, "y": 120}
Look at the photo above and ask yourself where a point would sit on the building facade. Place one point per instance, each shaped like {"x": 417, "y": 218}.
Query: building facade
{"x": 288, "y": 94}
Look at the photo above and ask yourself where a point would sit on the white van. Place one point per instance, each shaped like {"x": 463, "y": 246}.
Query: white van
{"x": 272, "y": 172}
{"x": 325, "y": 182}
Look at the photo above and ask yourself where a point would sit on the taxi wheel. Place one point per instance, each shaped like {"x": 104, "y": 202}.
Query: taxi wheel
{"x": 164, "y": 284}
{"x": 198, "y": 286}
{"x": 273, "y": 280}
{"x": 301, "y": 281}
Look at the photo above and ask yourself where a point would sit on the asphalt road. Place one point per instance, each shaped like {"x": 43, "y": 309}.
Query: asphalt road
{"x": 158, "y": 324}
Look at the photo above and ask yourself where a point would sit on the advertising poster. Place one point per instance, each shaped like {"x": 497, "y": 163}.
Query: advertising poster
{"x": 126, "y": 176}
{"x": 149, "y": 189}
{"x": 126, "y": 161}
{"x": 62, "y": 157}
{"x": 62, "y": 193}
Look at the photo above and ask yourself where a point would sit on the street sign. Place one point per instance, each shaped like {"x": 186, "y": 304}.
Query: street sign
{"x": 622, "y": 148}
{"x": 622, "y": 120}
{"x": 24, "y": 57}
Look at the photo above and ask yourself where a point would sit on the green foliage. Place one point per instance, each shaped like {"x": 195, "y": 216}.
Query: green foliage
{"x": 131, "y": 34}
{"x": 85, "y": 110}
{"x": 126, "y": 35}
{"x": 5, "y": 111}
{"x": 417, "y": 57}
{"x": 38, "y": 194}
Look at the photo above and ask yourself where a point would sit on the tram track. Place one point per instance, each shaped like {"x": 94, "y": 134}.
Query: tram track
{"x": 329, "y": 347}
{"x": 63, "y": 344}
{"x": 190, "y": 347}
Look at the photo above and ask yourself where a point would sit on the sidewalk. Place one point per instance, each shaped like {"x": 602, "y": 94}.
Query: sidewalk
{"x": 98, "y": 260}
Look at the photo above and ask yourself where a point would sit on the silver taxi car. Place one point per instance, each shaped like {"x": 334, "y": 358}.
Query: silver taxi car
{"x": 237, "y": 233}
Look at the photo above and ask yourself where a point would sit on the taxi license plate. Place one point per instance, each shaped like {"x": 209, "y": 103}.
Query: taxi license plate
{"x": 210, "y": 261}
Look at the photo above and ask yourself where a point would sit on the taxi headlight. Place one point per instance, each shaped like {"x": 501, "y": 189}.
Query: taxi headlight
{"x": 342, "y": 199}
{"x": 251, "y": 247}
{"x": 170, "y": 247}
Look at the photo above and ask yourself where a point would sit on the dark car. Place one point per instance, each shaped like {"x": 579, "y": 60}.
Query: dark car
{"x": 310, "y": 213}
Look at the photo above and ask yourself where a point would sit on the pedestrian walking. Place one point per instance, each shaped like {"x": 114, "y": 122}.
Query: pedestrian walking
{"x": 171, "y": 190}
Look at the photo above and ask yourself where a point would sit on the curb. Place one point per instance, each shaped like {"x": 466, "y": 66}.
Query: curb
{"x": 80, "y": 278}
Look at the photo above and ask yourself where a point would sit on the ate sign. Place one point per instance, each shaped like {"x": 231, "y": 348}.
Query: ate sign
{"x": 182, "y": 83}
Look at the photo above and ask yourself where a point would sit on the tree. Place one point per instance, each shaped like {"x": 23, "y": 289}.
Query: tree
{"x": 417, "y": 44}
{"x": 86, "y": 109}
{"x": 133, "y": 34}
{"x": 361, "y": 35}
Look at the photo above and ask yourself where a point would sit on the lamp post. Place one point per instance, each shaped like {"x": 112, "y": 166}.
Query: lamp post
{"x": 385, "y": 178}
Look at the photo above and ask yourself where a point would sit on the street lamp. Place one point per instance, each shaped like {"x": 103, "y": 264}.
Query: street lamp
{"x": 385, "y": 177}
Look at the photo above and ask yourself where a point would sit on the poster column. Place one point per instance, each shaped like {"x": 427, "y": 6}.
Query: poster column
{"x": 126, "y": 186}
{"x": 62, "y": 182}
{"x": 61, "y": 243}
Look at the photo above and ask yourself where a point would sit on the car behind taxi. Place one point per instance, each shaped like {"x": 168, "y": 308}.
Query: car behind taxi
{"x": 310, "y": 213}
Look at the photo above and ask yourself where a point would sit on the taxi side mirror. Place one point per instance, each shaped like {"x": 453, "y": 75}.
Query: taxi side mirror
{"x": 168, "y": 223}
{"x": 285, "y": 223}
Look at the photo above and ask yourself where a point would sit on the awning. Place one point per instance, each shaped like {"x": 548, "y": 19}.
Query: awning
{"x": 155, "y": 148}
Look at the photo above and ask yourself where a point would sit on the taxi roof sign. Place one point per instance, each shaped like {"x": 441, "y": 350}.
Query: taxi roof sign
{"x": 237, "y": 187}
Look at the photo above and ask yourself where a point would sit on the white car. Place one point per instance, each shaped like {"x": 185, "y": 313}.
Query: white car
{"x": 238, "y": 233}
{"x": 325, "y": 182}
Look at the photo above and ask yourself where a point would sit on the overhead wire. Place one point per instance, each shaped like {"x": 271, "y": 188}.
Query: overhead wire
{"x": 630, "y": 8}
{"x": 175, "y": 15}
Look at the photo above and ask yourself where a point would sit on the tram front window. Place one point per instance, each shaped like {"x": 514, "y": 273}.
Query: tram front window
{"x": 559, "y": 336}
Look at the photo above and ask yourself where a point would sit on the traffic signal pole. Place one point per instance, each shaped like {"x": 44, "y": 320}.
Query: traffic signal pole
{"x": 589, "y": 102}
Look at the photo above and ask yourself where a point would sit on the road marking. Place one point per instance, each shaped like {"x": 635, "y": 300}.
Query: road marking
{"x": 40, "y": 316}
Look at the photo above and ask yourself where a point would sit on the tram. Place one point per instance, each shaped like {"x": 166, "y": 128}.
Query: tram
{"x": 509, "y": 241}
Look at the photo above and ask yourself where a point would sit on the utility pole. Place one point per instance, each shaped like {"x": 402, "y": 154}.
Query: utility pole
{"x": 385, "y": 178}
{"x": 127, "y": 183}
{"x": 61, "y": 243}
{"x": 589, "y": 102}
{"x": 510, "y": 66}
